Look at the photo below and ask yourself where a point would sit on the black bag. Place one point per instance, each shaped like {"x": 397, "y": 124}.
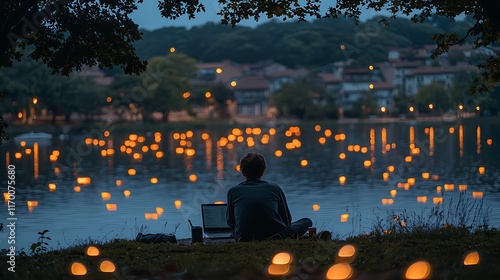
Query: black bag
{"x": 155, "y": 238}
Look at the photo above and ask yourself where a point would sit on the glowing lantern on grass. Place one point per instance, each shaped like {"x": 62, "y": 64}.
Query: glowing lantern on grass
{"x": 78, "y": 268}
{"x": 92, "y": 251}
{"x": 282, "y": 258}
{"x": 316, "y": 207}
{"x": 106, "y": 195}
{"x": 347, "y": 251}
{"x": 339, "y": 271}
{"x": 111, "y": 206}
{"x": 52, "y": 187}
{"x": 278, "y": 269}
{"x": 344, "y": 217}
{"x": 481, "y": 170}
{"x": 131, "y": 172}
{"x": 477, "y": 194}
{"x": 418, "y": 270}
{"x": 83, "y": 180}
{"x": 342, "y": 179}
{"x": 437, "y": 200}
{"x": 107, "y": 266}
{"x": 77, "y": 189}
{"x": 178, "y": 204}
{"x": 126, "y": 193}
{"x": 153, "y": 180}
{"x": 471, "y": 258}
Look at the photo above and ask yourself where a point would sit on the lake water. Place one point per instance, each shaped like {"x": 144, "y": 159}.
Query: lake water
{"x": 451, "y": 155}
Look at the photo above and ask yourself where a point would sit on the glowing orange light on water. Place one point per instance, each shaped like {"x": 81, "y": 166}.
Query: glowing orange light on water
{"x": 437, "y": 200}
{"x": 193, "y": 177}
{"x": 52, "y": 187}
{"x": 477, "y": 194}
{"x": 278, "y": 153}
{"x": 462, "y": 187}
{"x": 393, "y": 193}
{"x": 178, "y": 204}
{"x": 304, "y": 163}
{"x": 316, "y": 207}
{"x": 119, "y": 183}
{"x": 83, "y": 180}
{"x": 131, "y": 172}
{"x": 342, "y": 179}
{"x": 387, "y": 201}
{"x": 153, "y": 180}
{"x": 367, "y": 163}
{"x": 481, "y": 170}
{"x": 106, "y": 195}
{"x": 385, "y": 176}
{"x": 111, "y": 206}
{"x": 342, "y": 156}
{"x": 449, "y": 187}
{"x": 425, "y": 175}
{"x": 390, "y": 168}
{"x": 151, "y": 216}
{"x": 422, "y": 199}
{"x": 77, "y": 188}
{"x": 32, "y": 203}
{"x": 159, "y": 210}
{"x": 126, "y": 193}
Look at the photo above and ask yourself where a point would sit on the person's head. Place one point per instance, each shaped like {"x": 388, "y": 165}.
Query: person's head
{"x": 253, "y": 165}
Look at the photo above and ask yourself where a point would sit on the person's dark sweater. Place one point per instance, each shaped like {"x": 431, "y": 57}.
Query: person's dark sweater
{"x": 257, "y": 210}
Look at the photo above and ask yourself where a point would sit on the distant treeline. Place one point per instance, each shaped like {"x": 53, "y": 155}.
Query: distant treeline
{"x": 307, "y": 44}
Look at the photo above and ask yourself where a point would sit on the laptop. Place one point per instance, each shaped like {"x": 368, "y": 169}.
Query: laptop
{"x": 214, "y": 221}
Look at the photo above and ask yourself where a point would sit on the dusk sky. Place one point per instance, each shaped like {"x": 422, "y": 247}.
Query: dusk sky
{"x": 148, "y": 16}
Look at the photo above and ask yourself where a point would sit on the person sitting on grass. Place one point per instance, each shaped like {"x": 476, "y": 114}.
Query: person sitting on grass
{"x": 257, "y": 210}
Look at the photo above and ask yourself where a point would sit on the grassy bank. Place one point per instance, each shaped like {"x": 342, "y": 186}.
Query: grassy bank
{"x": 378, "y": 256}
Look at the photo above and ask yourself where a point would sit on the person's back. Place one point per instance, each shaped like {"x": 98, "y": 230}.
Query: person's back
{"x": 258, "y": 210}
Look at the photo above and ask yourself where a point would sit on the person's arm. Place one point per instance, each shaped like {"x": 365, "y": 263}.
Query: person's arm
{"x": 230, "y": 211}
{"x": 283, "y": 210}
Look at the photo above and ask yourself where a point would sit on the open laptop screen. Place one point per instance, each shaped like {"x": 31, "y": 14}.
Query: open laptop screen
{"x": 214, "y": 216}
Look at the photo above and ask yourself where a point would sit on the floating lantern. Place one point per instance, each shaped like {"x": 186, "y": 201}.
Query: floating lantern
{"x": 364, "y": 150}
{"x": 322, "y": 140}
{"x": 159, "y": 210}
{"x": 238, "y": 168}
{"x": 106, "y": 195}
{"x": 342, "y": 180}
{"x": 28, "y": 151}
{"x": 131, "y": 172}
{"x": 451, "y": 130}
{"x": 137, "y": 156}
{"x": 190, "y": 152}
{"x": 104, "y": 153}
{"x": 119, "y": 183}
{"x": 107, "y": 266}
{"x": 178, "y": 204}
{"x": 193, "y": 177}
{"x": 78, "y": 268}
{"x": 52, "y": 158}
{"x": 128, "y": 151}
{"x": 110, "y": 151}
{"x": 408, "y": 159}
{"x": 422, "y": 199}
{"x": 481, "y": 170}
{"x": 415, "y": 151}
{"x": 344, "y": 217}
{"x": 132, "y": 137}
{"x": 418, "y": 270}
{"x": 477, "y": 194}
{"x": 77, "y": 188}
{"x": 471, "y": 258}
{"x": 393, "y": 193}
{"x": 126, "y": 193}
{"x": 141, "y": 139}
{"x": 356, "y": 148}
{"x": 390, "y": 168}
{"x": 449, "y": 187}
{"x": 153, "y": 180}
{"x": 437, "y": 200}
{"x": 278, "y": 269}
{"x": 339, "y": 271}
{"x": 304, "y": 163}
{"x": 6, "y": 196}
{"x": 462, "y": 188}
{"x": 342, "y": 156}
{"x": 316, "y": 207}
{"x": 278, "y": 153}
{"x": 179, "y": 150}
{"x": 438, "y": 189}
{"x": 205, "y": 136}
{"x": 88, "y": 141}
{"x": 328, "y": 132}
{"x": 435, "y": 177}
{"x": 387, "y": 201}
{"x": 425, "y": 175}
{"x": 350, "y": 148}
{"x": 489, "y": 141}
{"x": 282, "y": 258}
{"x": 367, "y": 163}
{"x": 111, "y": 206}
{"x": 411, "y": 181}
{"x": 32, "y": 203}
{"x": 151, "y": 216}
{"x": 123, "y": 148}
{"x": 102, "y": 143}
{"x": 385, "y": 176}
{"x": 52, "y": 187}
{"x": 92, "y": 251}
{"x": 154, "y": 147}
{"x": 83, "y": 180}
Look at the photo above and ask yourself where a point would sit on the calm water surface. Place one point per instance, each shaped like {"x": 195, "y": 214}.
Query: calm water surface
{"x": 448, "y": 152}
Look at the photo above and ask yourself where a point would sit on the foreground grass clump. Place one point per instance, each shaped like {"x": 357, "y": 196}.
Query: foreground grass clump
{"x": 378, "y": 256}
